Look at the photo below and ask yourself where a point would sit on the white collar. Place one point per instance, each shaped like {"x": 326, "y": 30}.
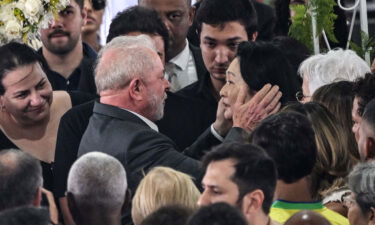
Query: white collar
{"x": 182, "y": 59}
{"x": 151, "y": 124}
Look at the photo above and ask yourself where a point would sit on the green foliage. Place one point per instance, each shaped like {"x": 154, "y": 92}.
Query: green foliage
{"x": 368, "y": 45}
{"x": 325, "y": 17}
{"x": 301, "y": 28}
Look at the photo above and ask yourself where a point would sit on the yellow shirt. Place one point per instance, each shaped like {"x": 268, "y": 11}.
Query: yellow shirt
{"x": 281, "y": 211}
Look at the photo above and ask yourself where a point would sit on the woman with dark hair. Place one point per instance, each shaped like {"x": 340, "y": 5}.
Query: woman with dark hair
{"x": 295, "y": 51}
{"x": 256, "y": 65}
{"x": 30, "y": 111}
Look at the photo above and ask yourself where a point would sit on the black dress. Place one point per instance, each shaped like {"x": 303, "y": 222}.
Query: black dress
{"x": 76, "y": 98}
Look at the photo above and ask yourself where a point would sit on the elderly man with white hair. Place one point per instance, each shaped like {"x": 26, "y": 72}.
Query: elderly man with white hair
{"x": 97, "y": 187}
{"x": 130, "y": 81}
{"x": 335, "y": 65}
{"x": 362, "y": 201}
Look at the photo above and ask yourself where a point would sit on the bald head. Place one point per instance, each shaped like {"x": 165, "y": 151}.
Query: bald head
{"x": 20, "y": 179}
{"x": 98, "y": 180}
{"x": 307, "y": 218}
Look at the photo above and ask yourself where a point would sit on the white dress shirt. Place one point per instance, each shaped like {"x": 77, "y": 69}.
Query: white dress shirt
{"x": 180, "y": 71}
{"x": 151, "y": 124}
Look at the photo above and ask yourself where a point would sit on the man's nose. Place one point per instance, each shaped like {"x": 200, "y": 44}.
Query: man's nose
{"x": 203, "y": 200}
{"x": 56, "y": 23}
{"x": 222, "y": 55}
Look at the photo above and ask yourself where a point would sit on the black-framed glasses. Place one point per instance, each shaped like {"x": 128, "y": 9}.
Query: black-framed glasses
{"x": 300, "y": 96}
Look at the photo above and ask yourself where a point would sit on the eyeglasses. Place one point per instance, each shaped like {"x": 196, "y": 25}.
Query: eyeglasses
{"x": 300, "y": 96}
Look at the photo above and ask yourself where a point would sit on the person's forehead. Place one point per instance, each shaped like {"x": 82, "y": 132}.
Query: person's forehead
{"x": 228, "y": 30}
{"x": 234, "y": 65}
{"x": 165, "y": 5}
{"x": 73, "y": 4}
{"x": 365, "y": 129}
{"x": 223, "y": 169}
{"x": 23, "y": 75}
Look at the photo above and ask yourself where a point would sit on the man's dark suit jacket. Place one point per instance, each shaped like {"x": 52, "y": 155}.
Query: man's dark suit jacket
{"x": 202, "y": 90}
{"x": 198, "y": 60}
{"x": 125, "y": 136}
{"x": 183, "y": 122}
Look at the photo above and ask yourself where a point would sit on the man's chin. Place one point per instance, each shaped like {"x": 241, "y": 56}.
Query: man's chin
{"x": 218, "y": 76}
{"x": 159, "y": 117}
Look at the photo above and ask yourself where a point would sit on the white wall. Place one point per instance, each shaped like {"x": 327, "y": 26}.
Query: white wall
{"x": 112, "y": 8}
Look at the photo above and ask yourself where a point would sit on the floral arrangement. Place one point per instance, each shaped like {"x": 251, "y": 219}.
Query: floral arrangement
{"x": 21, "y": 19}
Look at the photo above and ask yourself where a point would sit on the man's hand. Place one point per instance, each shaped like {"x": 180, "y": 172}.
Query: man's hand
{"x": 222, "y": 125}
{"x": 51, "y": 206}
{"x": 265, "y": 102}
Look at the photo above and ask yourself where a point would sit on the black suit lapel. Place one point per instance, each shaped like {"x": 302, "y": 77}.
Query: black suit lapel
{"x": 199, "y": 64}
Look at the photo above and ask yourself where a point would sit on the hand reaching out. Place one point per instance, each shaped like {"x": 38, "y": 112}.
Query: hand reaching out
{"x": 51, "y": 206}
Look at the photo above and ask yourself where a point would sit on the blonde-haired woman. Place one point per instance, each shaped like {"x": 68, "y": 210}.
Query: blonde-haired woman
{"x": 160, "y": 187}
{"x": 333, "y": 162}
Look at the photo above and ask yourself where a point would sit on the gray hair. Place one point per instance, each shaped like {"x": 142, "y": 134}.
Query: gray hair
{"x": 20, "y": 178}
{"x": 362, "y": 183}
{"x": 122, "y": 59}
{"x": 25, "y": 215}
{"x": 98, "y": 180}
{"x": 335, "y": 65}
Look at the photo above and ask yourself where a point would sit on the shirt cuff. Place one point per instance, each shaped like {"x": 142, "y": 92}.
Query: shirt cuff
{"x": 218, "y": 136}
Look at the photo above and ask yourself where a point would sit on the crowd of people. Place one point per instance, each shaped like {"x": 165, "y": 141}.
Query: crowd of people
{"x": 189, "y": 115}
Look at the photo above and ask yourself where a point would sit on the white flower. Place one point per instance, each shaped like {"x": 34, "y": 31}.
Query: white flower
{"x": 62, "y": 4}
{"x": 32, "y": 8}
{"x": 47, "y": 18}
{"x": 34, "y": 15}
{"x": 6, "y": 12}
{"x": 13, "y": 29}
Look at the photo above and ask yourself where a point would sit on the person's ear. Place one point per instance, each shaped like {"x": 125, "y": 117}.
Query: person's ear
{"x": 254, "y": 36}
{"x": 372, "y": 216}
{"x": 370, "y": 148}
{"x": 38, "y": 198}
{"x": 2, "y": 106}
{"x": 72, "y": 205}
{"x": 252, "y": 202}
{"x": 136, "y": 89}
{"x": 192, "y": 10}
